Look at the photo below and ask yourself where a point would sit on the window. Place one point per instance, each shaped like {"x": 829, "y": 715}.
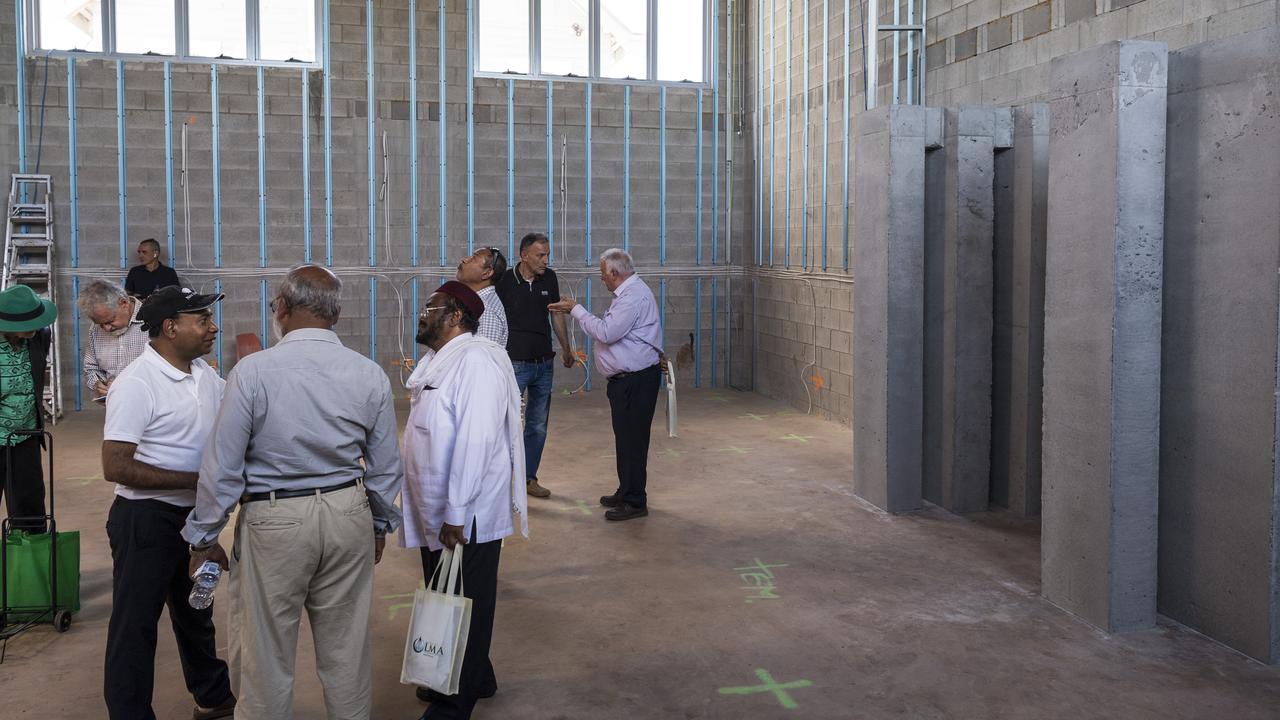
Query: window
{"x": 663, "y": 40}
{"x": 262, "y": 31}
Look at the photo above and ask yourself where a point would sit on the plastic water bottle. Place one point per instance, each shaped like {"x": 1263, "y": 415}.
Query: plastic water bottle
{"x": 206, "y": 581}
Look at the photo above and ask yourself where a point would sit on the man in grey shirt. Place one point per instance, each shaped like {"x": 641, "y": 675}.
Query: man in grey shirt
{"x": 306, "y": 442}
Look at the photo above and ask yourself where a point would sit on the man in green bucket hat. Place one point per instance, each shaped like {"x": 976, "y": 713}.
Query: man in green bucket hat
{"x": 24, "y": 354}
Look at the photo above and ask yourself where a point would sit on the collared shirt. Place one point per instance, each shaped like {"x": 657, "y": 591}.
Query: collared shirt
{"x": 493, "y": 321}
{"x": 305, "y": 414}
{"x": 460, "y": 444}
{"x": 109, "y": 354}
{"x": 528, "y": 319}
{"x": 168, "y": 414}
{"x": 17, "y": 391}
{"x": 629, "y": 336}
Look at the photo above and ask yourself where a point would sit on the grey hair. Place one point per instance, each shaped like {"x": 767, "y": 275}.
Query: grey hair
{"x": 318, "y": 292}
{"x": 100, "y": 293}
{"x": 617, "y": 260}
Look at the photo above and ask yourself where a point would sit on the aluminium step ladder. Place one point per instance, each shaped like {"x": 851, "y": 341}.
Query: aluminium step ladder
{"x": 28, "y": 259}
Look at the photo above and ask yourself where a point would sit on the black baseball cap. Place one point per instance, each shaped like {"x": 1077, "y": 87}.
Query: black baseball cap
{"x": 170, "y": 301}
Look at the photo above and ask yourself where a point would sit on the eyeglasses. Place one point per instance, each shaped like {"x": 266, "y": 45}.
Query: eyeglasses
{"x": 423, "y": 315}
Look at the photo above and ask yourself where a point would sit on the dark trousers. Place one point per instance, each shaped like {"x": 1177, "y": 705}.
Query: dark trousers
{"x": 632, "y": 399}
{"x": 149, "y": 570}
{"x": 23, "y": 485}
{"x": 480, "y": 583}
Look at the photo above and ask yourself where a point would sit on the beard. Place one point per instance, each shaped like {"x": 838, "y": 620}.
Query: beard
{"x": 427, "y": 333}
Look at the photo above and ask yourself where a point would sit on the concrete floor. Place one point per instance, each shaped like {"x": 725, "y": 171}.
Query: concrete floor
{"x": 924, "y": 616}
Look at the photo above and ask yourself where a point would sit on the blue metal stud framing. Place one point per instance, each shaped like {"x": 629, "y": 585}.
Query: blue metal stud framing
{"x": 73, "y": 178}
{"x": 714, "y": 291}
{"x": 804, "y": 144}
{"x": 168, "y": 154}
{"x": 662, "y": 175}
{"x": 773, "y": 96}
{"x": 373, "y": 318}
{"x": 586, "y": 235}
{"x": 591, "y": 355}
{"x": 826, "y": 52}
{"x": 471, "y": 131}
{"x": 697, "y": 332}
{"x": 626, "y": 168}
{"x": 216, "y": 151}
{"x": 786, "y": 258}
{"x": 262, "y": 176}
{"x": 845, "y": 134}
{"x": 328, "y": 139}
{"x": 217, "y": 320}
{"x": 262, "y": 312}
{"x": 20, "y": 51}
{"x": 413, "y": 141}
{"x": 441, "y": 125}
{"x": 697, "y": 163}
{"x": 371, "y": 114}
{"x": 715, "y": 133}
{"x": 758, "y": 140}
{"x": 306, "y": 167}
{"x": 122, "y": 190}
{"x": 551, "y": 181}
{"x": 511, "y": 170}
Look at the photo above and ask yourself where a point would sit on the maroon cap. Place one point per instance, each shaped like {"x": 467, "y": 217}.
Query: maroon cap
{"x": 464, "y": 295}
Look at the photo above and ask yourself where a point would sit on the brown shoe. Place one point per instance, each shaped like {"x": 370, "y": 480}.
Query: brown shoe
{"x": 536, "y": 490}
{"x": 225, "y": 710}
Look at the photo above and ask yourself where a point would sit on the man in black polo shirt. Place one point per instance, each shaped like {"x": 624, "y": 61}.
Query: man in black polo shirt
{"x": 526, "y": 290}
{"x": 152, "y": 274}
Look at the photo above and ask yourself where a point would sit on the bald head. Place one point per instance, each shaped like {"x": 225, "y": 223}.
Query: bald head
{"x": 310, "y": 296}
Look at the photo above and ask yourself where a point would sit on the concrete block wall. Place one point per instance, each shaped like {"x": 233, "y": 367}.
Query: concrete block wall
{"x": 285, "y": 89}
{"x": 998, "y": 51}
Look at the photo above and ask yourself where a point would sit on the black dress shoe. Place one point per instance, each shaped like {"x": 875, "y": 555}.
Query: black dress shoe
{"x": 485, "y": 692}
{"x": 427, "y": 695}
{"x": 612, "y": 501}
{"x": 626, "y": 511}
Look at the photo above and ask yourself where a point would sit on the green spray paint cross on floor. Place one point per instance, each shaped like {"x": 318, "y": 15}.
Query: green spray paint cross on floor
{"x": 769, "y": 685}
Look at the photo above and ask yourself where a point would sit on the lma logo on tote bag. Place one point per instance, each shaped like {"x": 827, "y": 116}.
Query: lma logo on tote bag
{"x": 437, "y": 638}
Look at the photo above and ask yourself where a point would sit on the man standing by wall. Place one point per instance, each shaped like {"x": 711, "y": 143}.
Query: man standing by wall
{"x": 24, "y": 358}
{"x": 479, "y": 271}
{"x": 464, "y": 463}
{"x": 629, "y": 346}
{"x": 305, "y": 441}
{"x": 161, "y": 412}
{"x": 526, "y": 291}
{"x": 151, "y": 274}
{"x": 116, "y": 338}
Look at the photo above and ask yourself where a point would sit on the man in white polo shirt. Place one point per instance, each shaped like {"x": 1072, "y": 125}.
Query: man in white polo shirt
{"x": 160, "y": 411}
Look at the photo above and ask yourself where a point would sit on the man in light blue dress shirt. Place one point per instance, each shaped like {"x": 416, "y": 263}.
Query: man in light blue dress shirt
{"x": 627, "y": 352}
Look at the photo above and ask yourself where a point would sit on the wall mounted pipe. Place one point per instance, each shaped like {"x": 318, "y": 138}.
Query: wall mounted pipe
{"x": 217, "y": 320}
{"x": 122, "y": 190}
{"x": 715, "y": 290}
{"x": 168, "y": 153}
{"x": 715, "y": 131}
{"x": 328, "y": 139}
{"x": 758, "y": 134}
{"x": 216, "y": 150}
{"x": 306, "y": 166}
{"x": 697, "y": 332}
{"x": 263, "y": 336}
{"x": 441, "y": 125}
{"x": 730, "y": 129}
{"x": 371, "y": 113}
{"x": 590, "y": 343}
{"x": 373, "y": 318}
{"x": 773, "y": 97}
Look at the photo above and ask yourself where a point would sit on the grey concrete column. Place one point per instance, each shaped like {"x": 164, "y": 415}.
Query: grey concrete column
{"x": 1021, "y": 214}
{"x": 958, "y": 312}
{"x": 1219, "y": 493}
{"x": 1103, "y": 277}
{"x": 888, "y": 295}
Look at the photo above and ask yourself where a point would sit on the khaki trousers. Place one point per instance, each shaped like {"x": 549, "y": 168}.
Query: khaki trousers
{"x": 314, "y": 552}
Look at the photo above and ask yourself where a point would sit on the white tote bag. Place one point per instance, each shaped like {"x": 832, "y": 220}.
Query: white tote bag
{"x": 438, "y": 629}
